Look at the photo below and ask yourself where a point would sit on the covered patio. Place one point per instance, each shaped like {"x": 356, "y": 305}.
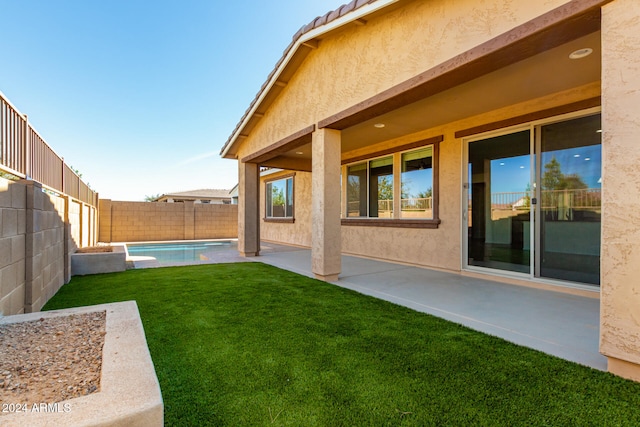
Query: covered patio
{"x": 439, "y": 97}
{"x": 563, "y": 325}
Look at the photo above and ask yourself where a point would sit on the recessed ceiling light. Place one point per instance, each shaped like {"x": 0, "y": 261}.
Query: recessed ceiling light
{"x": 599, "y": 131}
{"x": 576, "y": 155}
{"x": 581, "y": 53}
{"x": 586, "y": 159}
{"x": 299, "y": 152}
{"x": 379, "y": 125}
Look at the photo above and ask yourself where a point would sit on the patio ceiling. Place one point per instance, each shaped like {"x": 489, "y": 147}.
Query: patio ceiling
{"x": 543, "y": 74}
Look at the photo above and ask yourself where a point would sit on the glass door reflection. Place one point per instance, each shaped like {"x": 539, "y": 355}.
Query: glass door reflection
{"x": 570, "y": 200}
{"x": 499, "y": 223}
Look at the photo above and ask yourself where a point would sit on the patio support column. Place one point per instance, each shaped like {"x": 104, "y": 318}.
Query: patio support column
{"x": 620, "y": 253}
{"x": 248, "y": 209}
{"x": 326, "y": 244}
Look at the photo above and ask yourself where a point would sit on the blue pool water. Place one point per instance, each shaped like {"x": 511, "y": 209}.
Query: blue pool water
{"x": 181, "y": 252}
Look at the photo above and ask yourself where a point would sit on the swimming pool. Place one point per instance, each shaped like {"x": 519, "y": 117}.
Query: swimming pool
{"x": 180, "y": 252}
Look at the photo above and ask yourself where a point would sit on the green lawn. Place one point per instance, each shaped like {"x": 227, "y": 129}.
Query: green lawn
{"x": 249, "y": 344}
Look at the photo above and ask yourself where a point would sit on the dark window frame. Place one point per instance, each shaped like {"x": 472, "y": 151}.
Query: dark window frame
{"x": 428, "y": 223}
{"x": 285, "y": 219}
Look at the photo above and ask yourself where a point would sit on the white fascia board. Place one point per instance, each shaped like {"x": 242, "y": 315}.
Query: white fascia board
{"x": 316, "y": 32}
{"x": 270, "y": 171}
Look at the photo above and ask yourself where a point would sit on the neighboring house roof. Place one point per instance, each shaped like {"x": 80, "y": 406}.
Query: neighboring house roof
{"x": 198, "y": 194}
{"x": 302, "y": 44}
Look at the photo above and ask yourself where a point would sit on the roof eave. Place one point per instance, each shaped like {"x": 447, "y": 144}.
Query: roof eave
{"x": 304, "y": 39}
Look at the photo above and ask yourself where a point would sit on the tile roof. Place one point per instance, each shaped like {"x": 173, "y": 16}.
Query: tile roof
{"x": 317, "y": 22}
{"x": 201, "y": 194}
{"x": 328, "y": 17}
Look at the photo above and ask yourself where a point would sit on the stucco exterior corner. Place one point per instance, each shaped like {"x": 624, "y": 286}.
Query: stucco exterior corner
{"x": 325, "y": 199}
{"x": 248, "y": 210}
{"x": 620, "y": 294}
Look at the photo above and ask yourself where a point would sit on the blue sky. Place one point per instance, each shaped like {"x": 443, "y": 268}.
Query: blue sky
{"x": 512, "y": 175}
{"x": 140, "y": 95}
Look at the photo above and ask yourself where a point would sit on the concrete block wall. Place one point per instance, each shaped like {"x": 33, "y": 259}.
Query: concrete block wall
{"x": 74, "y": 221}
{"x": 86, "y": 229}
{"x": 215, "y": 221}
{"x": 104, "y": 231}
{"x": 45, "y": 256}
{"x": 154, "y": 221}
{"x": 38, "y": 233}
{"x": 12, "y": 247}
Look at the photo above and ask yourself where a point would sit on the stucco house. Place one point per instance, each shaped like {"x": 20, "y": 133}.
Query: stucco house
{"x": 494, "y": 138}
{"x": 211, "y": 196}
{"x": 234, "y": 194}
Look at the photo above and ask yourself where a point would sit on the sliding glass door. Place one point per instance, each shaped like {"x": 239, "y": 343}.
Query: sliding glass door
{"x": 533, "y": 201}
{"x": 499, "y": 214}
{"x": 569, "y": 211}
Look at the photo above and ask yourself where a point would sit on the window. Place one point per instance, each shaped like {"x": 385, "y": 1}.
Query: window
{"x": 398, "y": 190}
{"x": 357, "y": 190}
{"x": 381, "y": 188}
{"x": 279, "y": 198}
{"x": 370, "y": 189}
{"x": 417, "y": 184}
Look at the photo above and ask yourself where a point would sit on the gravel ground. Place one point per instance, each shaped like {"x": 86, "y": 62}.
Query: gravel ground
{"x": 51, "y": 360}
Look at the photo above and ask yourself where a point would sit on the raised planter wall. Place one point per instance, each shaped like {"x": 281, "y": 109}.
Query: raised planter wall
{"x": 129, "y": 390}
{"x": 99, "y": 262}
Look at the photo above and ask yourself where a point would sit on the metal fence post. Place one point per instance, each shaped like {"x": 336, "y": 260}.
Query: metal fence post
{"x": 27, "y": 149}
{"x": 62, "y": 181}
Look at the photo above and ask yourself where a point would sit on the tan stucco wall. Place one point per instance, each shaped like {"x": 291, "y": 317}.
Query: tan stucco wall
{"x": 326, "y": 233}
{"x": 361, "y": 61}
{"x": 298, "y": 233}
{"x": 620, "y": 289}
{"x": 388, "y": 51}
{"x": 440, "y": 248}
{"x": 154, "y": 221}
{"x": 249, "y": 209}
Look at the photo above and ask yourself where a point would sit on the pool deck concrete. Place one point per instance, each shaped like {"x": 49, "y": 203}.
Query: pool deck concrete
{"x": 556, "y": 323}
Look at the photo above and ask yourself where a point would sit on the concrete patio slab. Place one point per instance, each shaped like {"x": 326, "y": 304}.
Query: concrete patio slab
{"x": 556, "y": 323}
{"x": 563, "y": 325}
